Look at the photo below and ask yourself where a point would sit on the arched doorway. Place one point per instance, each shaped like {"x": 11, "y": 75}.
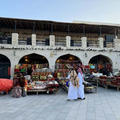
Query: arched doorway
{"x": 34, "y": 59}
{"x": 101, "y": 63}
{"x": 66, "y": 60}
{"x": 30, "y": 63}
{"x": 4, "y": 66}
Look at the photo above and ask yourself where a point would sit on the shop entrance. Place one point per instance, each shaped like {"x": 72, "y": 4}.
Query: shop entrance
{"x": 31, "y": 62}
{"x": 4, "y": 67}
{"x": 33, "y": 59}
{"x": 66, "y": 60}
{"x": 35, "y": 69}
{"x": 101, "y": 64}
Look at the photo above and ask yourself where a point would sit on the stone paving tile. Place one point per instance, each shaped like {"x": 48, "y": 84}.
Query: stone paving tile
{"x": 103, "y": 105}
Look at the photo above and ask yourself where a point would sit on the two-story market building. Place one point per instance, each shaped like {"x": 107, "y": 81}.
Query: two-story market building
{"x": 24, "y": 41}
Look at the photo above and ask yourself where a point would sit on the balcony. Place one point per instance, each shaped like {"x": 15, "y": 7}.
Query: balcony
{"x": 92, "y": 42}
{"x": 76, "y": 42}
{"x": 24, "y": 39}
{"x": 60, "y": 41}
{"x": 22, "y": 42}
{"x": 109, "y": 44}
{"x": 5, "y": 40}
{"x": 43, "y": 42}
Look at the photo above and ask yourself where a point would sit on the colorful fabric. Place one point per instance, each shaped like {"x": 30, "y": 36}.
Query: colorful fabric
{"x": 74, "y": 79}
{"x": 17, "y": 92}
{"x": 6, "y": 84}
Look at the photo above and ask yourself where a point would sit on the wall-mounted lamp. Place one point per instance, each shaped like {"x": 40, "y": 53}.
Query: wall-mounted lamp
{"x": 85, "y": 54}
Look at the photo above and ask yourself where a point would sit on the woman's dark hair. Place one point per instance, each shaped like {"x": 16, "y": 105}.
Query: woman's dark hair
{"x": 76, "y": 70}
{"x": 82, "y": 69}
{"x": 15, "y": 82}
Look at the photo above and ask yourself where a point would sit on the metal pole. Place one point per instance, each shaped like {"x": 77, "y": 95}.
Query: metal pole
{"x": 34, "y": 25}
{"x": 68, "y": 30}
{"x": 51, "y": 28}
{"x": 115, "y": 33}
{"x": 15, "y": 26}
{"x": 84, "y": 30}
{"x": 100, "y": 31}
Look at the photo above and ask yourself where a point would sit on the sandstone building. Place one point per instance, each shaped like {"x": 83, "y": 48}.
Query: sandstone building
{"x": 48, "y": 41}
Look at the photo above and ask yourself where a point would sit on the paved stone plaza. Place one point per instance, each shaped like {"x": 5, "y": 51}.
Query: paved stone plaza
{"x": 103, "y": 105}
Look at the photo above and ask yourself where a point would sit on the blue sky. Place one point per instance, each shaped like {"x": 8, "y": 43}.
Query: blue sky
{"x": 107, "y": 11}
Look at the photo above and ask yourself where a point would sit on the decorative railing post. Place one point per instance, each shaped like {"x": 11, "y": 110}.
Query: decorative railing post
{"x": 84, "y": 42}
{"x": 68, "y": 41}
{"x": 14, "y": 39}
{"x": 52, "y": 40}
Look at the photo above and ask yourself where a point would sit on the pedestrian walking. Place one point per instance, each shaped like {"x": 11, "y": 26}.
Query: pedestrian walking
{"x": 74, "y": 84}
{"x": 80, "y": 89}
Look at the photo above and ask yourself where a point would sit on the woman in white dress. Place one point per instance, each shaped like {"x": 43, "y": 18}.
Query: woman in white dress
{"x": 74, "y": 84}
{"x": 81, "y": 86}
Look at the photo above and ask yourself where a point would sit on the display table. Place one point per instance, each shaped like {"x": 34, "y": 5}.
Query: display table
{"x": 43, "y": 86}
{"x": 92, "y": 84}
{"x": 36, "y": 91}
{"x": 110, "y": 82}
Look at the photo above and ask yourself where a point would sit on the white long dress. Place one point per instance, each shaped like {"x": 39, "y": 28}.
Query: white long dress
{"x": 72, "y": 91}
{"x": 80, "y": 90}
